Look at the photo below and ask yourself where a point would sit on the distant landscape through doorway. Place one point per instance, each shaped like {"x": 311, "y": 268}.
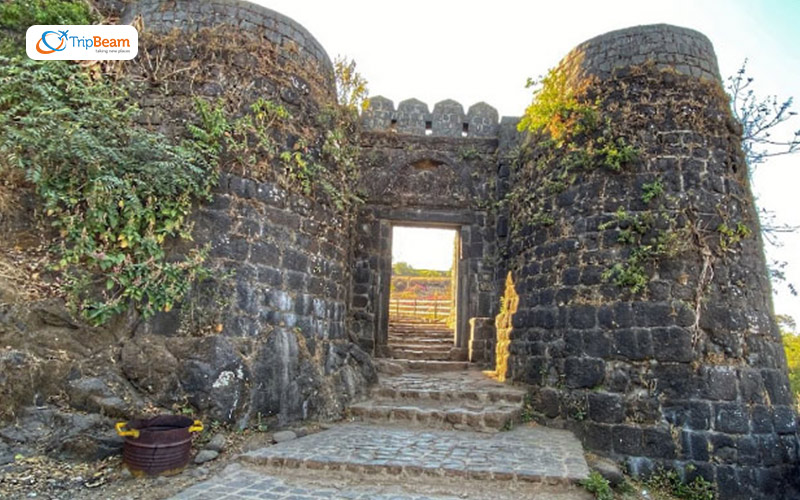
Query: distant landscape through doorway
{"x": 422, "y": 307}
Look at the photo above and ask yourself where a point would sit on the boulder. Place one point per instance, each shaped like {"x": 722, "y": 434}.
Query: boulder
{"x": 93, "y": 395}
{"x": 606, "y": 468}
{"x": 66, "y": 435}
{"x": 283, "y": 436}
{"x": 213, "y": 375}
{"x": 147, "y": 363}
{"x": 217, "y": 443}
{"x": 205, "y": 456}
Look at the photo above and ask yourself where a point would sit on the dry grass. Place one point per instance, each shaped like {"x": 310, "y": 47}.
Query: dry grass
{"x": 24, "y": 256}
{"x": 10, "y": 181}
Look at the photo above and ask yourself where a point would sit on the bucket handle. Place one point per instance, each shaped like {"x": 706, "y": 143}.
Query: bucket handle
{"x": 196, "y": 427}
{"x": 134, "y": 433}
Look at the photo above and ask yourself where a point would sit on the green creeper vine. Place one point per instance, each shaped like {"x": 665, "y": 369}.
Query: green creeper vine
{"x": 114, "y": 193}
{"x": 568, "y": 135}
{"x": 253, "y": 143}
{"x": 647, "y": 242}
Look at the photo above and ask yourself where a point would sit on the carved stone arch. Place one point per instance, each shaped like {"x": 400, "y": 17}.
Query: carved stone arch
{"x": 426, "y": 160}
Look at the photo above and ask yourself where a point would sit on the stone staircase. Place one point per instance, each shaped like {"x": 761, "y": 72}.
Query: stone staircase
{"x": 460, "y": 400}
{"x": 419, "y": 340}
{"x": 431, "y": 429}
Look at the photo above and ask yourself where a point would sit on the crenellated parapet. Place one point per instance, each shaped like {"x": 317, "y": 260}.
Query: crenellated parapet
{"x": 448, "y": 119}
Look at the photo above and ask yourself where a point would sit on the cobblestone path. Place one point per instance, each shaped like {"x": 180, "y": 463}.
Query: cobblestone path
{"x": 251, "y": 484}
{"x": 433, "y": 436}
{"x": 530, "y": 453}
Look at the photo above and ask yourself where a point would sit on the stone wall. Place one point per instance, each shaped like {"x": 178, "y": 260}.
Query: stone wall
{"x": 666, "y": 47}
{"x": 689, "y": 371}
{"x": 425, "y": 169}
{"x": 271, "y": 325}
{"x": 240, "y": 15}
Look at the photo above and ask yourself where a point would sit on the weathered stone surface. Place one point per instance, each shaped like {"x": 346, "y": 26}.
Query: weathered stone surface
{"x": 283, "y": 436}
{"x": 204, "y": 456}
{"x": 217, "y": 443}
{"x": 532, "y": 453}
{"x": 94, "y": 395}
{"x": 67, "y": 435}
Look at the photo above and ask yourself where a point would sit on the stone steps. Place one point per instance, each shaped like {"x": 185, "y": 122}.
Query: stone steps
{"x": 430, "y": 354}
{"x": 419, "y": 346}
{"x": 428, "y": 366}
{"x": 464, "y": 400}
{"x": 421, "y": 341}
{"x": 438, "y": 435}
{"x": 439, "y": 415}
{"x": 251, "y": 481}
{"x": 500, "y": 396}
{"x": 533, "y": 454}
{"x": 421, "y": 335}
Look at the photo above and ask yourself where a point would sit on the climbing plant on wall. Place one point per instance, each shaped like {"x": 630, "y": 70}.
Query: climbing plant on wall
{"x": 114, "y": 194}
{"x": 567, "y": 135}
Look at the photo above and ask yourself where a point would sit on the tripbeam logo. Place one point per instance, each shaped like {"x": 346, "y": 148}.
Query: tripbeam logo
{"x": 82, "y": 42}
{"x": 61, "y": 41}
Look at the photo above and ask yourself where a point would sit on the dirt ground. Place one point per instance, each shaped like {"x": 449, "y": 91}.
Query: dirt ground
{"x": 47, "y": 478}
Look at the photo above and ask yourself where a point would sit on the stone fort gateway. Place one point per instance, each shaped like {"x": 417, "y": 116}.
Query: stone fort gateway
{"x": 629, "y": 302}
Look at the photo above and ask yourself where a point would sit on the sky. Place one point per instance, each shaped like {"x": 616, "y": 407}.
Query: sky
{"x": 423, "y": 247}
{"x": 485, "y": 51}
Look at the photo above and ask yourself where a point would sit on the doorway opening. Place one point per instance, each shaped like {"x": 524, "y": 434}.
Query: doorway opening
{"x": 423, "y": 290}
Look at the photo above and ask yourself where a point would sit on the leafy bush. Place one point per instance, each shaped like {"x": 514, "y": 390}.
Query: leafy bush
{"x": 598, "y": 485}
{"x": 114, "y": 192}
{"x": 17, "y": 15}
{"x": 670, "y": 482}
{"x": 555, "y": 109}
{"x": 791, "y": 345}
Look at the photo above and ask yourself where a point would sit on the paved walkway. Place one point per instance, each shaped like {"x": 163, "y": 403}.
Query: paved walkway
{"x": 241, "y": 483}
{"x": 527, "y": 453}
{"x": 400, "y": 456}
{"x": 248, "y": 484}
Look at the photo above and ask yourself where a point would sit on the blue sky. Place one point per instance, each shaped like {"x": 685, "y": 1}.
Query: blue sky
{"x": 485, "y": 51}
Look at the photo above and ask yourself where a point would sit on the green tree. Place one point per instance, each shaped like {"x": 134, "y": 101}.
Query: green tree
{"x": 791, "y": 345}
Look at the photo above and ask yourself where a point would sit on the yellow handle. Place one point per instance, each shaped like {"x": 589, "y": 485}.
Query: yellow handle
{"x": 134, "y": 433}
{"x": 197, "y": 427}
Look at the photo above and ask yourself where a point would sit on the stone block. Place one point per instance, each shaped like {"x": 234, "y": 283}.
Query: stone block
{"x": 606, "y": 408}
{"x": 652, "y": 314}
{"x": 673, "y": 344}
{"x": 627, "y": 440}
{"x": 583, "y": 317}
{"x": 784, "y": 420}
{"x": 584, "y": 372}
{"x": 658, "y": 443}
{"x": 731, "y": 418}
{"x": 694, "y": 445}
{"x": 262, "y": 253}
{"x": 719, "y": 383}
